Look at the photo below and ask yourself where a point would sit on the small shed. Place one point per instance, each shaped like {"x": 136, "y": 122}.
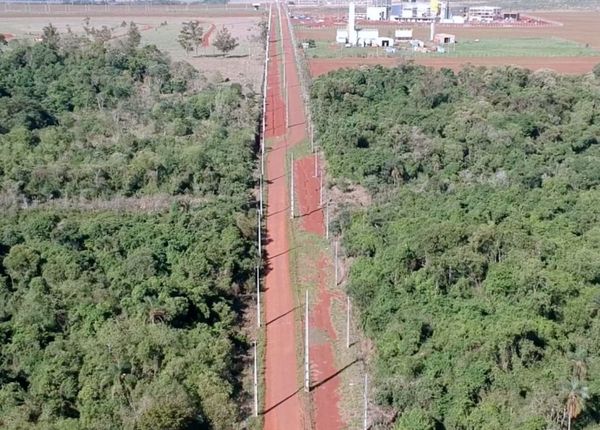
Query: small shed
{"x": 384, "y": 42}
{"x": 403, "y": 35}
{"x": 367, "y": 37}
{"x": 444, "y": 38}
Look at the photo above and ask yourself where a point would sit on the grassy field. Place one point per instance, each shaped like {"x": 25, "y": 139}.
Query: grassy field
{"x": 526, "y": 47}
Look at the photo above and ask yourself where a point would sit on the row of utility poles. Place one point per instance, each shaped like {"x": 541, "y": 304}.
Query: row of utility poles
{"x": 323, "y": 204}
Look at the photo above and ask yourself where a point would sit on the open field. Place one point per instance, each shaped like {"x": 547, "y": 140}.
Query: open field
{"x": 529, "y": 47}
{"x": 160, "y": 26}
{"x": 570, "y": 46}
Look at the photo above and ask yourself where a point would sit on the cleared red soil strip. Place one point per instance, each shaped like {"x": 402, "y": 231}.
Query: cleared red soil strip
{"x": 308, "y": 188}
{"x": 324, "y": 378}
{"x": 565, "y": 65}
{"x": 8, "y": 36}
{"x": 282, "y": 401}
{"x": 206, "y": 37}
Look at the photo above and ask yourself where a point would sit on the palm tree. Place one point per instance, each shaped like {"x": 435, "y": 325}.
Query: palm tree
{"x": 576, "y": 398}
{"x": 579, "y": 363}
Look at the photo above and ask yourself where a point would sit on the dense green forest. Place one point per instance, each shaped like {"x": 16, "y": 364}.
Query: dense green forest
{"x": 477, "y": 267}
{"x": 115, "y": 317}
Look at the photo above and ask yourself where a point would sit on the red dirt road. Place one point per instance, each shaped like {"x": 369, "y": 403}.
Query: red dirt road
{"x": 565, "y": 65}
{"x": 324, "y": 381}
{"x": 283, "y": 404}
{"x": 282, "y": 400}
{"x": 206, "y": 37}
{"x": 308, "y": 188}
{"x": 325, "y": 377}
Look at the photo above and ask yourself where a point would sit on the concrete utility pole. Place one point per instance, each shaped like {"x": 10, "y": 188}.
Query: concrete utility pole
{"x": 366, "y": 404}
{"x": 316, "y": 164}
{"x": 321, "y": 189}
{"x": 348, "y": 322}
{"x": 327, "y": 220}
{"x": 306, "y": 347}
{"x": 335, "y": 264}
{"x": 258, "y": 309}
{"x": 259, "y": 230}
{"x": 255, "y": 380}
{"x": 292, "y": 189}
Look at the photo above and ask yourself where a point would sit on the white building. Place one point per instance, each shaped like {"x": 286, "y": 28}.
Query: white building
{"x": 403, "y": 35}
{"x": 485, "y": 13}
{"x": 376, "y": 13}
{"x": 354, "y": 37}
{"x": 411, "y": 11}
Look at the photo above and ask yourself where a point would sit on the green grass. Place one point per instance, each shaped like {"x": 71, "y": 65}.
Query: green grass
{"x": 522, "y": 47}
{"x": 529, "y": 47}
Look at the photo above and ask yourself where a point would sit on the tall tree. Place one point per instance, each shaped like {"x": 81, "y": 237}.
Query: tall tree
{"x": 190, "y": 36}
{"x": 576, "y": 398}
{"x": 134, "y": 37}
{"x": 50, "y": 36}
{"x": 224, "y": 41}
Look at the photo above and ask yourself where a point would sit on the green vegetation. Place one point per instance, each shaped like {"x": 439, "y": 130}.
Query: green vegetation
{"x": 120, "y": 319}
{"x": 510, "y": 47}
{"x": 476, "y": 269}
{"x": 224, "y": 41}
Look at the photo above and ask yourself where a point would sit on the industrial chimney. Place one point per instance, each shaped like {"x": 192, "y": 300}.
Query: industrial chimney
{"x": 352, "y": 35}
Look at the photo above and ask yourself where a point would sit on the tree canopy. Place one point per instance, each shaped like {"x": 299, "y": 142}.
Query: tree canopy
{"x": 112, "y": 317}
{"x": 476, "y": 266}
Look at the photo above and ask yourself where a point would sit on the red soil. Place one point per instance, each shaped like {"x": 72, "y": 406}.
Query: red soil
{"x": 206, "y": 37}
{"x": 8, "y": 36}
{"x": 308, "y": 188}
{"x": 565, "y": 65}
{"x": 282, "y": 401}
{"x": 325, "y": 379}
{"x": 325, "y": 376}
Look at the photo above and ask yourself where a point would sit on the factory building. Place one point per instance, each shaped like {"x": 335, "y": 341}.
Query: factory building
{"x": 485, "y": 13}
{"x": 376, "y": 13}
{"x": 354, "y": 37}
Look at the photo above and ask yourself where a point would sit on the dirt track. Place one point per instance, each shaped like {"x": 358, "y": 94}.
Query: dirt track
{"x": 282, "y": 400}
{"x": 565, "y": 65}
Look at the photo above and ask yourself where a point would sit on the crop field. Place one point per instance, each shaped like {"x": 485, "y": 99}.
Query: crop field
{"x": 159, "y": 25}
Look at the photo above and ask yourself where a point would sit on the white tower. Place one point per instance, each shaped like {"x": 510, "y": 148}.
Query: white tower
{"x": 432, "y": 30}
{"x": 352, "y": 35}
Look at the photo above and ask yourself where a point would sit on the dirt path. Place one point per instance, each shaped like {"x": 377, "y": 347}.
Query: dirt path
{"x": 324, "y": 376}
{"x": 206, "y": 37}
{"x": 282, "y": 399}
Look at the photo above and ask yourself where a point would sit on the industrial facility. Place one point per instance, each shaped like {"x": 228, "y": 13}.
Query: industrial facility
{"x": 423, "y": 11}
{"x": 353, "y": 36}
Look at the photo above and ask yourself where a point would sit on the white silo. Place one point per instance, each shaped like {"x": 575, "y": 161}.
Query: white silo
{"x": 352, "y": 35}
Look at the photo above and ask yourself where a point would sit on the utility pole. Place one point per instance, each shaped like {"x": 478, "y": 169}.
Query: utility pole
{"x": 260, "y": 193}
{"x": 348, "y": 322}
{"x": 292, "y": 189}
{"x": 335, "y": 264}
{"x": 259, "y": 229}
{"x": 255, "y": 380}
{"x": 327, "y": 220}
{"x": 321, "y": 190}
{"x": 258, "y": 309}
{"x": 316, "y": 164}
{"x": 365, "y": 404}
{"x": 306, "y": 347}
